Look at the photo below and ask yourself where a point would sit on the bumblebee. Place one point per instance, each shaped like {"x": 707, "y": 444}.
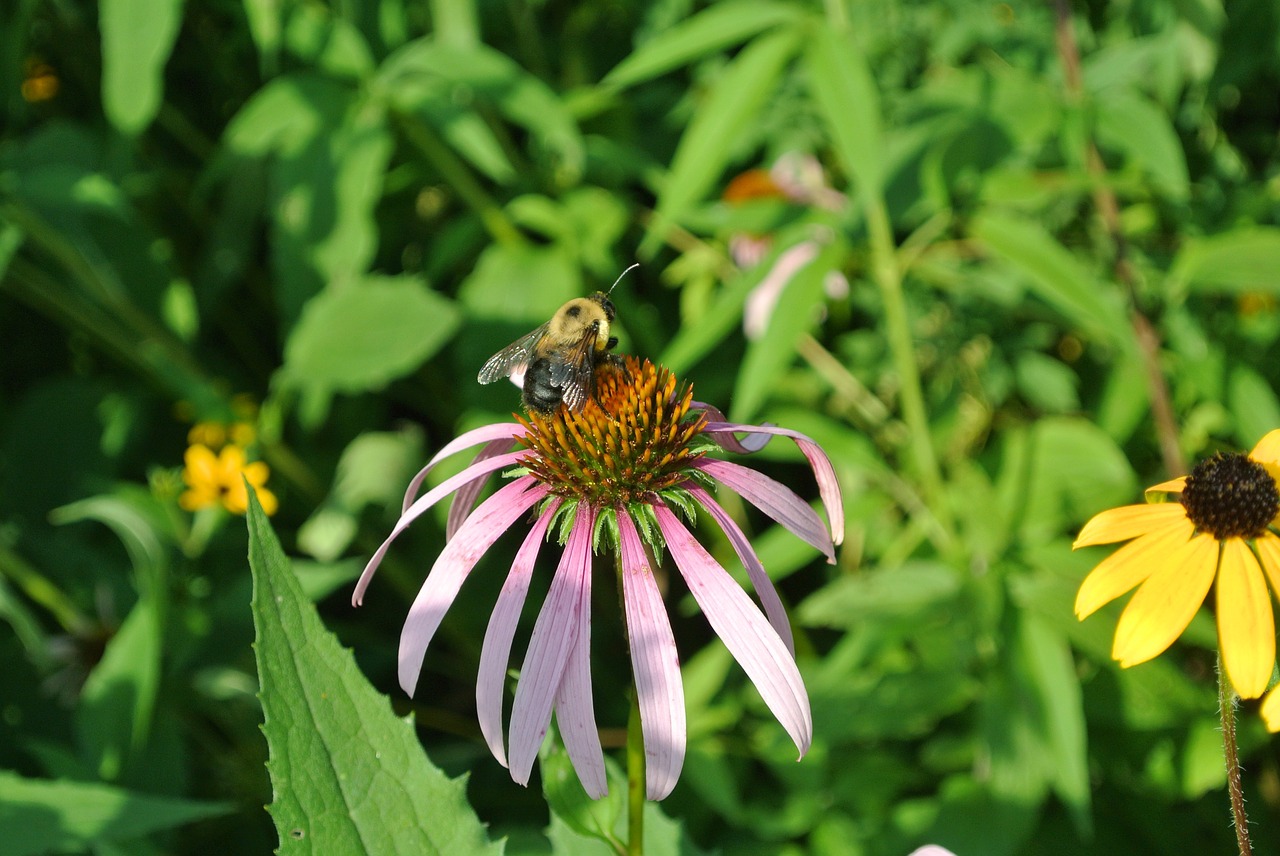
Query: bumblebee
{"x": 559, "y": 359}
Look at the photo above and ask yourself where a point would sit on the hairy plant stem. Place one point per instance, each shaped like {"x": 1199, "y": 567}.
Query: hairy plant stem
{"x": 1227, "y": 710}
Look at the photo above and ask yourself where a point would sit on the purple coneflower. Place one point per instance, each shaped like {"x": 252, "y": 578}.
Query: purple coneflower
{"x": 622, "y": 471}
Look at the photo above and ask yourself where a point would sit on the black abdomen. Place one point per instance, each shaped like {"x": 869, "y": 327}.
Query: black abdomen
{"x": 538, "y": 393}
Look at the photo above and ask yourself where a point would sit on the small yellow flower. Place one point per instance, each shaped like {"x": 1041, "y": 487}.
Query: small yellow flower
{"x": 1220, "y": 533}
{"x": 212, "y": 479}
{"x": 209, "y": 434}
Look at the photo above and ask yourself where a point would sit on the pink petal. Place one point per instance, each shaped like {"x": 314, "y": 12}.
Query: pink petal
{"x": 828, "y": 485}
{"x": 550, "y": 647}
{"x": 758, "y": 309}
{"x": 496, "y": 651}
{"x": 485, "y": 434}
{"x": 727, "y": 439}
{"x": 769, "y": 599}
{"x": 655, "y": 664}
{"x": 465, "y": 499}
{"x": 423, "y": 503}
{"x": 773, "y": 498}
{"x": 452, "y": 567}
{"x": 743, "y": 628}
{"x": 575, "y": 713}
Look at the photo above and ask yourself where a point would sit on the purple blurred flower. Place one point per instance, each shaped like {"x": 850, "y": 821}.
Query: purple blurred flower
{"x": 634, "y": 456}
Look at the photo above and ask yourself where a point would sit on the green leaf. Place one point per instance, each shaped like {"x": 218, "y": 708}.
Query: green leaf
{"x": 720, "y": 26}
{"x": 1146, "y": 137}
{"x": 1055, "y": 275}
{"x": 347, "y": 775}
{"x": 794, "y": 314}
{"x": 733, "y": 102}
{"x": 360, "y": 338}
{"x": 1253, "y": 403}
{"x": 1046, "y": 383}
{"x": 1236, "y": 262}
{"x": 443, "y": 82}
{"x": 1060, "y": 472}
{"x": 694, "y": 341}
{"x": 569, "y": 802}
{"x": 113, "y": 718}
{"x": 1046, "y": 660}
{"x": 325, "y": 41}
{"x": 39, "y": 817}
{"x": 908, "y": 592}
{"x": 137, "y": 38}
{"x": 372, "y": 469}
{"x": 850, "y": 104}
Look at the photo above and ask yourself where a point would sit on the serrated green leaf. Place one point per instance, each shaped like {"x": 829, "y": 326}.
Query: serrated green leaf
{"x": 717, "y": 27}
{"x": 347, "y": 775}
{"x": 360, "y": 338}
{"x": 39, "y": 817}
{"x": 1055, "y": 275}
{"x": 720, "y": 121}
{"x": 137, "y": 38}
{"x": 850, "y": 104}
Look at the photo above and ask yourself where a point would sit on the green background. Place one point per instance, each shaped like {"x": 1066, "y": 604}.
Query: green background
{"x": 337, "y": 211}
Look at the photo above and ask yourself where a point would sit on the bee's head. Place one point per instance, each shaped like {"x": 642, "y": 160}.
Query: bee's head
{"x": 602, "y": 299}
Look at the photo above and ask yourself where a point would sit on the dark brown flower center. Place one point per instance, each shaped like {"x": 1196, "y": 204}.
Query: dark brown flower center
{"x": 631, "y": 440}
{"x": 1231, "y": 496}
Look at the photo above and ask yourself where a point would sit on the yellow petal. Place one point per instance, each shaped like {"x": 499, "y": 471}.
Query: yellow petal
{"x": 196, "y": 499}
{"x": 1128, "y": 521}
{"x": 1271, "y": 710}
{"x": 1177, "y": 485}
{"x": 1130, "y": 565}
{"x": 201, "y": 466}
{"x": 1268, "y": 448}
{"x": 1246, "y": 627}
{"x": 257, "y": 473}
{"x": 236, "y": 499}
{"x": 1164, "y": 605}
{"x": 230, "y": 464}
{"x": 1269, "y": 555}
{"x": 268, "y": 501}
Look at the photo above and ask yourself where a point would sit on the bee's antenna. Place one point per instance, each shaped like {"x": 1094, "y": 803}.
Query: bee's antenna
{"x": 620, "y": 276}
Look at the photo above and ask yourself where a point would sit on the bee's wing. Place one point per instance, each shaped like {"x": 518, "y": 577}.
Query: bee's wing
{"x": 573, "y": 376}
{"x": 513, "y": 357}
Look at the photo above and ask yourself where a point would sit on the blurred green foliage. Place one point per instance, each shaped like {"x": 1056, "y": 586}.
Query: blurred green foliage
{"x": 317, "y": 220}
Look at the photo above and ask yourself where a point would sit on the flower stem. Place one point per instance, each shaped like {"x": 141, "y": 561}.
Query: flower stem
{"x": 635, "y": 780}
{"x": 635, "y": 754}
{"x": 1227, "y": 709}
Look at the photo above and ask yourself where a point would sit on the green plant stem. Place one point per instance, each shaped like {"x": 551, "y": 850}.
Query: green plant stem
{"x": 635, "y": 779}
{"x": 888, "y": 278}
{"x": 635, "y": 748}
{"x": 1227, "y": 710}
